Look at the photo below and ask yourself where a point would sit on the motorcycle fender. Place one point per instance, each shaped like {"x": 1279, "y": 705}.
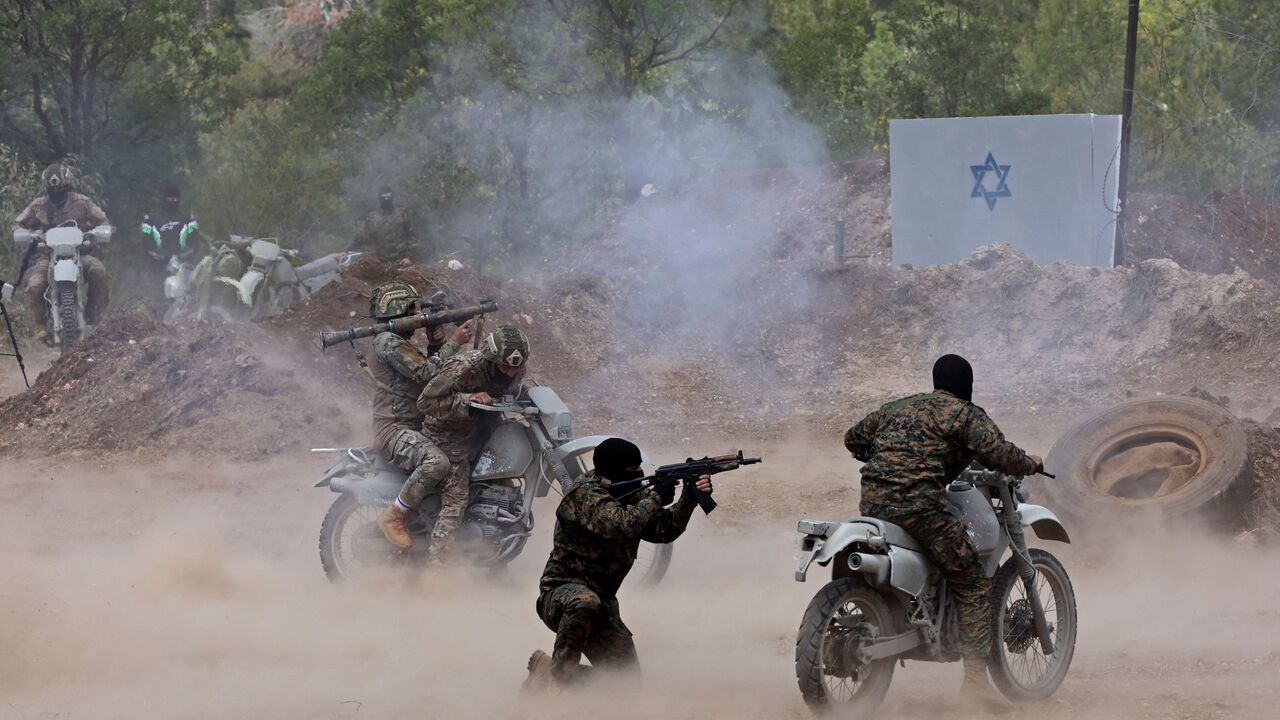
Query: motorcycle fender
{"x": 822, "y": 541}
{"x": 1041, "y": 519}
{"x": 378, "y": 490}
{"x": 174, "y": 287}
{"x": 66, "y": 271}
{"x": 245, "y": 286}
{"x": 575, "y": 449}
{"x": 580, "y": 446}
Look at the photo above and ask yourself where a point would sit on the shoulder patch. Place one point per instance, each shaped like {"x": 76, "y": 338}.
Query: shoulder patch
{"x": 411, "y": 353}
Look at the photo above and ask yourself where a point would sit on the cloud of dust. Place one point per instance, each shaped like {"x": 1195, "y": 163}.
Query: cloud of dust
{"x": 157, "y": 599}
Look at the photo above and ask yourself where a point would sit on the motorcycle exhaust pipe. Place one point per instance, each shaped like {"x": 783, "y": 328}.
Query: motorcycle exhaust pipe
{"x": 875, "y": 567}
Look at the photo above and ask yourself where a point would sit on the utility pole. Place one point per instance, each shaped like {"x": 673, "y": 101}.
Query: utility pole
{"x": 1130, "y": 50}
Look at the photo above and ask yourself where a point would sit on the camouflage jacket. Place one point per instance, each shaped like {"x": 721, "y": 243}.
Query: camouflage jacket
{"x": 388, "y": 235}
{"x": 914, "y": 446}
{"x": 597, "y": 537}
{"x": 444, "y": 401}
{"x": 42, "y": 214}
{"x": 401, "y": 370}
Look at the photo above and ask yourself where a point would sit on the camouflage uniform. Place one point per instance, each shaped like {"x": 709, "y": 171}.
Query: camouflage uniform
{"x": 912, "y": 448}
{"x": 596, "y": 540}
{"x": 387, "y": 234}
{"x": 450, "y": 423}
{"x": 400, "y": 370}
{"x": 43, "y": 214}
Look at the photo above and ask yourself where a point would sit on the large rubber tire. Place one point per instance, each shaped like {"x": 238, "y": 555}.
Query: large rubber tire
{"x": 70, "y": 331}
{"x": 1061, "y": 598}
{"x": 811, "y": 644}
{"x": 1177, "y": 456}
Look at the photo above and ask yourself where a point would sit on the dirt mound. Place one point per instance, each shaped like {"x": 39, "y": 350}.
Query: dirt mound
{"x": 1216, "y": 234}
{"x": 138, "y": 386}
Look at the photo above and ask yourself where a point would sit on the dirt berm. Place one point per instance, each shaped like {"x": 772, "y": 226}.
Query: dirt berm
{"x": 714, "y": 312}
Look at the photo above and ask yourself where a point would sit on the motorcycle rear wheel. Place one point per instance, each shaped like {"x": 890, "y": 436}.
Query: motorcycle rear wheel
{"x": 825, "y": 684}
{"x": 350, "y": 538}
{"x": 1017, "y": 663}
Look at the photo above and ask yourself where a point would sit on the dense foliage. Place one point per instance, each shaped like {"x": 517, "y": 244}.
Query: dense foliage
{"x": 512, "y": 128}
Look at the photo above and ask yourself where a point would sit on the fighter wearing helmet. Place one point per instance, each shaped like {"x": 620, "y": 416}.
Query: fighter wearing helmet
{"x": 400, "y": 370}
{"x": 451, "y": 424}
{"x": 58, "y": 205}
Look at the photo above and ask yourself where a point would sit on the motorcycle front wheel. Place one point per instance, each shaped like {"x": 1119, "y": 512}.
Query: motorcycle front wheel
{"x": 69, "y": 333}
{"x": 829, "y": 679}
{"x": 652, "y": 563}
{"x": 1018, "y": 664}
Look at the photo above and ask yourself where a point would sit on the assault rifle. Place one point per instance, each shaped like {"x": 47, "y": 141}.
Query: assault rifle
{"x": 409, "y": 323}
{"x": 687, "y": 473}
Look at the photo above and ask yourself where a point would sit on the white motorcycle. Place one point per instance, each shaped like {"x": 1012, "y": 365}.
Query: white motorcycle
{"x": 887, "y": 603}
{"x": 272, "y": 282}
{"x": 67, "y": 290}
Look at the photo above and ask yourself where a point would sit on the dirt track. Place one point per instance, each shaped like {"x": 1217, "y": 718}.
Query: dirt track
{"x": 167, "y": 592}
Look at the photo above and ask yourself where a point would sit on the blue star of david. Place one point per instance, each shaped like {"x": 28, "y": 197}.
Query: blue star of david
{"x": 980, "y": 175}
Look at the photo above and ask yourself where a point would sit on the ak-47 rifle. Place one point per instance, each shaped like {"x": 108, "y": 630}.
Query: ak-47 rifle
{"x": 406, "y": 325}
{"x": 687, "y": 473}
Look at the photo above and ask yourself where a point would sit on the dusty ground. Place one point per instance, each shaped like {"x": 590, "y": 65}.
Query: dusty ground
{"x": 173, "y": 591}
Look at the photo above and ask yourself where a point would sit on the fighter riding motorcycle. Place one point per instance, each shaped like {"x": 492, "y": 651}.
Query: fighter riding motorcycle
{"x": 887, "y": 603}
{"x": 67, "y": 290}
{"x": 273, "y": 281}
{"x": 514, "y": 467}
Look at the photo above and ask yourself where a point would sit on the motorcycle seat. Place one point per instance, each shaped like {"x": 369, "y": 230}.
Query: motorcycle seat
{"x": 893, "y": 534}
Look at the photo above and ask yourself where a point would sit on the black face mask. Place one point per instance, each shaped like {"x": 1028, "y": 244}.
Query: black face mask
{"x": 171, "y": 204}
{"x": 57, "y": 197}
{"x": 387, "y": 203}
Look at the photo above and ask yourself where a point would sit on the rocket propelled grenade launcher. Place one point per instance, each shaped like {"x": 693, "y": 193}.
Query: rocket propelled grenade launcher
{"x": 408, "y": 324}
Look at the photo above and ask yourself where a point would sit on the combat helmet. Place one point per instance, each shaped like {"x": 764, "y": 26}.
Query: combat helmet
{"x": 506, "y": 345}
{"x": 393, "y": 299}
{"x": 57, "y": 177}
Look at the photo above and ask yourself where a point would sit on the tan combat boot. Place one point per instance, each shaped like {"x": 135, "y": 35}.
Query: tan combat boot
{"x": 976, "y": 693}
{"x": 391, "y": 523}
{"x": 539, "y": 673}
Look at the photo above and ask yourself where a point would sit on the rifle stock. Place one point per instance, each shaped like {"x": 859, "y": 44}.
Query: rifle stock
{"x": 408, "y": 324}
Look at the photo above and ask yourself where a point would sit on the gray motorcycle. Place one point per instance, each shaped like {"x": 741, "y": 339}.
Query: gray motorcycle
{"x": 512, "y": 470}
{"x": 886, "y": 602}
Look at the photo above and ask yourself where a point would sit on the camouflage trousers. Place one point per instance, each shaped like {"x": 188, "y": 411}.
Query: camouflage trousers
{"x": 948, "y": 546}
{"x": 585, "y": 624}
{"x": 97, "y": 293}
{"x": 432, "y": 469}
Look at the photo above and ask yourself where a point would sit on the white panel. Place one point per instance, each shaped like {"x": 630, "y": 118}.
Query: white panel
{"x": 1045, "y": 184}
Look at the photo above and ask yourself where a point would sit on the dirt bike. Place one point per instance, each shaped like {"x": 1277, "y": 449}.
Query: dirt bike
{"x": 511, "y": 470}
{"x": 67, "y": 291}
{"x": 273, "y": 282}
{"x": 886, "y": 602}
